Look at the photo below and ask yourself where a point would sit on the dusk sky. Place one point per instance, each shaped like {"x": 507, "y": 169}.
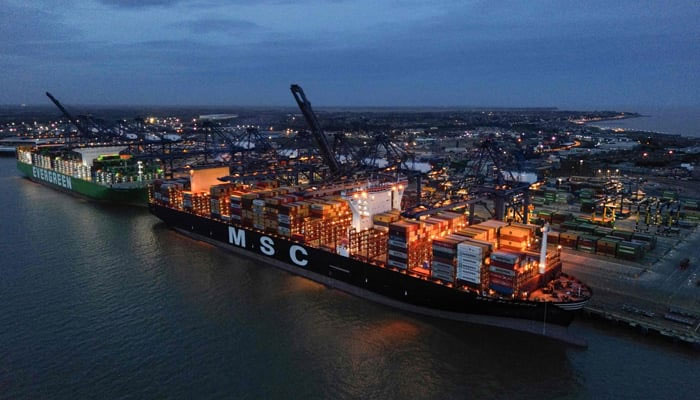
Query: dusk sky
{"x": 586, "y": 54}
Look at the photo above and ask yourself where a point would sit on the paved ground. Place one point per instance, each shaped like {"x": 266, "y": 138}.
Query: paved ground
{"x": 651, "y": 286}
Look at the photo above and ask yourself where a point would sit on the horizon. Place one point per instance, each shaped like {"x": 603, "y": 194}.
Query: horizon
{"x": 639, "y": 109}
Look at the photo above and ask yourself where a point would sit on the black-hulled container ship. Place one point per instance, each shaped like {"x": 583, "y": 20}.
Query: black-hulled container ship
{"x": 351, "y": 237}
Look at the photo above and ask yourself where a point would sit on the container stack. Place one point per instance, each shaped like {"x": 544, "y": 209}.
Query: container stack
{"x": 587, "y": 243}
{"x": 247, "y": 207}
{"x": 444, "y": 258}
{"x": 370, "y": 244}
{"x": 290, "y": 219}
{"x": 568, "y": 239}
{"x": 258, "y": 213}
{"x": 436, "y": 227}
{"x": 476, "y": 234}
{"x": 630, "y": 251}
{"x": 171, "y": 194}
{"x": 455, "y": 221}
{"x": 550, "y": 196}
{"x": 649, "y": 241}
{"x": 408, "y": 244}
{"x": 311, "y": 231}
{"x": 527, "y": 280}
{"x": 622, "y": 234}
{"x": 221, "y": 200}
{"x": 489, "y": 233}
{"x": 515, "y": 237}
{"x": 187, "y": 201}
{"x": 502, "y": 272}
{"x": 273, "y": 207}
{"x": 235, "y": 209}
{"x": 471, "y": 268}
{"x": 41, "y": 161}
{"x": 386, "y": 218}
{"x": 267, "y": 184}
{"x": 607, "y": 246}
{"x": 493, "y": 225}
{"x": 201, "y": 204}
{"x": 335, "y": 217}
{"x": 559, "y": 217}
{"x": 271, "y": 212}
{"x": 562, "y": 197}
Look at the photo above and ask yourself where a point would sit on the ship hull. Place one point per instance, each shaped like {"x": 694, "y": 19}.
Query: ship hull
{"x": 80, "y": 187}
{"x": 386, "y": 286}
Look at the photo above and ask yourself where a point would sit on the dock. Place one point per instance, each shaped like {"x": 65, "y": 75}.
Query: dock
{"x": 654, "y": 296}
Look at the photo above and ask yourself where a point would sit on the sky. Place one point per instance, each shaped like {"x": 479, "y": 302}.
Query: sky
{"x": 569, "y": 54}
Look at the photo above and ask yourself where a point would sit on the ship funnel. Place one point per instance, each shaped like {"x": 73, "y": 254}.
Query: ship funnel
{"x": 543, "y": 249}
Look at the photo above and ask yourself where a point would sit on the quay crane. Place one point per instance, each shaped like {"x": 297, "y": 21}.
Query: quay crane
{"x": 321, "y": 140}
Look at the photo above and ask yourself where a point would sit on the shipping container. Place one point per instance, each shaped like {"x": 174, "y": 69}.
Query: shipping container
{"x": 568, "y": 239}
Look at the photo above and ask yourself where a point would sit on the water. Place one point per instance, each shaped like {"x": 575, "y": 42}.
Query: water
{"x": 102, "y": 302}
{"x": 683, "y": 121}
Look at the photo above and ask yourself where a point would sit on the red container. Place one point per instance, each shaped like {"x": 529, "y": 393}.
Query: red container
{"x": 503, "y": 265}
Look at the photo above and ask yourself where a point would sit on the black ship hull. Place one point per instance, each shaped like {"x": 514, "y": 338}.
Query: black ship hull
{"x": 387, "y": 286}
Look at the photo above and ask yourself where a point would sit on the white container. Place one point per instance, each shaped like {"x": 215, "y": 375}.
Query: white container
{"x": 396, "y": 264}
{"x": 397, "y": 243}
{"x": 398, "y": 254}
{"x": 505, "y": 257}
{"x": 471, "y": 278}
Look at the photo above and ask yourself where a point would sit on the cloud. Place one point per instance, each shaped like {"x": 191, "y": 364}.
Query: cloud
{"x": 192, "y": 3}
{"x": 459, "y": 52}
{"x": 139, "y": 3}
{"x": 209, "y": 25}
{"x": 23, "y": 25}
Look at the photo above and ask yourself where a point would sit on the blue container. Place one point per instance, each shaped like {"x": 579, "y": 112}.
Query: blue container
{"x": 501, "y": 289}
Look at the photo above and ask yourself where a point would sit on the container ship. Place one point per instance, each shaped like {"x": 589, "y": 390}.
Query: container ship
{"x": 352, "y": 237}
{"x": 97, "y": 173}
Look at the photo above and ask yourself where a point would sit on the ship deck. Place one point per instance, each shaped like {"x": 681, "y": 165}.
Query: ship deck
{"x": 564, "y": 289}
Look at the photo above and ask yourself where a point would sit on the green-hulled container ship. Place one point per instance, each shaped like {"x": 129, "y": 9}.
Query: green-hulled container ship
{"x": 96, "y": 173}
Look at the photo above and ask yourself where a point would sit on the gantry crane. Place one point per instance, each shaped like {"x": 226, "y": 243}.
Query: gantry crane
{"x": 71, "y": 119}
{"x": 321, "y": 140}
{"x": 488, "y": 179}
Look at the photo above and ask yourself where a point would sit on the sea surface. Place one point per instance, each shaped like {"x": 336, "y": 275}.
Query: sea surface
{"x": 106, "y": 302}
{"x": 684, "y": 121}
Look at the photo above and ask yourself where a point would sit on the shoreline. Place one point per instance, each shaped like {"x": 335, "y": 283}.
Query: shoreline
{"x": 630, "y": 130}
{"x": 609, "y": 124}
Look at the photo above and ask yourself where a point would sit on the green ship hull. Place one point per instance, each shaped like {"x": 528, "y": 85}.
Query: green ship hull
{"x": 94, "y": 191}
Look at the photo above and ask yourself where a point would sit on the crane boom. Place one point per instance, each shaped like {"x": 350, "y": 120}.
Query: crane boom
{"x": 71, "y": 119}
{"x": 319, "y": 136}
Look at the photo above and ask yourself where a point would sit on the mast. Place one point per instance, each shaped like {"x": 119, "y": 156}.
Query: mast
{"x": 543, "y": 249}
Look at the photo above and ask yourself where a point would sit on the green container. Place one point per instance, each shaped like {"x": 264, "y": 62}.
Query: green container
{"x": 586, "y": 249}
{"x": 625, "y": 235}
{"x": 602, "y": 231}
{"x": 570, "y": 226}
{"x": 630, "y": 250}
{"x": 588, "y": 228}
